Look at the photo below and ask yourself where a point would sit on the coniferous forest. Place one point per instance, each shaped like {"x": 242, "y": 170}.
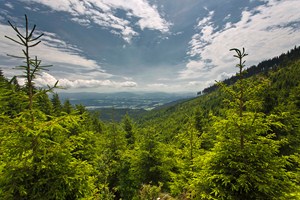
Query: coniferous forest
{"x": 240, "y": 140}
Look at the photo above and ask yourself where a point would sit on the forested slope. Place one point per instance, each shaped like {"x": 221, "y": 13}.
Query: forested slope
{"x": 263, "y": 67}
{"x": 198, "y": 124}
{"x": 283, "y": 82}
{"x": 238, "y": 142}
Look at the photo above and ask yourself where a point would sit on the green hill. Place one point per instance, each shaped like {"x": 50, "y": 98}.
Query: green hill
{"x": 284, "y": 81}
{"x": 212, "y": 132}
{"x": 238, "y": 141}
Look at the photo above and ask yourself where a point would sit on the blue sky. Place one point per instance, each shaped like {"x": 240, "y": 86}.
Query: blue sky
{"x": 148, "y": 45}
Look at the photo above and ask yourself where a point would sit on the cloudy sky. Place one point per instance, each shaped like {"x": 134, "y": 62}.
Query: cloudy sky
{"x": 148, "y": 45}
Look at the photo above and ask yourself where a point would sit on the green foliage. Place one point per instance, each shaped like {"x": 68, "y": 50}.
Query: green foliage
{"x": 42, "y": 156}
{"x": 239, "y": 142}
{"x": 40, "y": 162}
{"x": 254, "y": 172}
{"x": 32, "y": 66}
{"x": 128, "y": 128}
{"x": 56, "y": 104}
{"x": 11, "y": 98}
{"x": 149, "y": 192}
{"x": 67, "y": 107}
{"x": 249, "y": 167}
{"x": 44, "y": 104}
{"x": 147, "y": 159}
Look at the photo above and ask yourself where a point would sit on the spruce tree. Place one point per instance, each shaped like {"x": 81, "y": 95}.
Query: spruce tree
{"x": 245, "y": 162}
{"x": 38, "y": 155}
{"x": 32, "y": 65}
{"x": 56, "y": 104}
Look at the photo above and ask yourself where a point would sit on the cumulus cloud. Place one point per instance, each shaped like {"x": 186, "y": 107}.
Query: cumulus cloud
{"x": 52, "y": 50}
{"x": 47, "y": 79}
{"x": 195, "y": 85}
{"x": 104, "y": 14}
{"x": 66, "y": 59}
{"x": 9, "y": 5}
{"x": 204, "y": 37}
{"x": 204, "y": 84}
{"x": 264, "y": 31}
{"x": 80, "y": 71}
{"x": 157, "y": 85}
{"x": 169, "y": 87}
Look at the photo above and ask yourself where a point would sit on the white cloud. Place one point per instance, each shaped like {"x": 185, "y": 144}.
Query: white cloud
{"x": 103, "y": 13}
{"x": 47, "y": 79}
{"x": 51, "y": 50}
{"x": 82, "y": 22}
{"x": 200, "y": 84}
{"x": 203, "y": 38}
{"x": 9, "y": 5}
{"x": 224, "y": 76}
{"x": 157, "y": 85}
{"x": 168, "y": 87}
{"x": 266, "y": 31}
{"x": 126, "y": 84}
{"x": 66, "y": 59}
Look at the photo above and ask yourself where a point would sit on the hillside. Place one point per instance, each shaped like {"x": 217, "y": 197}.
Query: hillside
{"x": 263, "y": 67}
{"x": 282, "y": 91}
{"x": 196, "y": 126}
{"x": 113, "y": 106}
{"x": 283, "y": 80}
{"x": 237, "y": 142}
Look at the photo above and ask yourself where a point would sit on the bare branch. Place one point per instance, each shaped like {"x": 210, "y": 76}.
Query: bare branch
{"x": 14, "y": 40}
{"x": 16, "y": 29}
{"x": 34, "y": 44}
{"x": 24, "y": 42}
{"x": 26, "y": 21}
{"x": 37, "y": 37}
{"x": 15, "y": 56}
{"x": 34, "y": 26}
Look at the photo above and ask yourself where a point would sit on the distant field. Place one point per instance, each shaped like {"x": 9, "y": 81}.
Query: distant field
{"x": 113, "y": 106}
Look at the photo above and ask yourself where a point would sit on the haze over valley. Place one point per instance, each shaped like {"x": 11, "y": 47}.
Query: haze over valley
{"x": 150, "y": 99}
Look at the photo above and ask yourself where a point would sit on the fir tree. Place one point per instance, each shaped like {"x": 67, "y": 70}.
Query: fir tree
{"x": 249, "y": 167}
{"x": 38, "y": 155}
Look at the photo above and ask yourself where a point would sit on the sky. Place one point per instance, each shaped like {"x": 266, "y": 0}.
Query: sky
{"x": 147, "y": 45}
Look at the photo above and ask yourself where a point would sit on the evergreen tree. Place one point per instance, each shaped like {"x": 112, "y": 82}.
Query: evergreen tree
{"x": 1, "y": 76}
{"x": 67, "y": 106}
{"x": 56, "y": 105}
{"x": 38, "y": 155}
{"x": 148, "y": 161}
{"x": 185, "y": 155}
{"x": 44, "y": 103}
{"x": 128, "y": 128}
{"x": 244, "y": 162}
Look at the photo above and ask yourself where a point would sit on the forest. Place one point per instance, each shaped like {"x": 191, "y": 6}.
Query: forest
{"x": 238, "y": 141}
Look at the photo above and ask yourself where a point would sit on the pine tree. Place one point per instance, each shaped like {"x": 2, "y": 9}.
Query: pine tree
{"x": 56, "y": 104}
{"x": 128, "y": 128}
{"x": 67, "y": 106}
{"x": 244, "y": 162}
{"x": 38, "y": 155}
{"x": 1, "y": 76}
{"x": 32, "y": 66}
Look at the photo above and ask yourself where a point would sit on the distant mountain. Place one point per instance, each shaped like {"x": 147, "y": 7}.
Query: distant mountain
{"x": 113, "y": 106}
{"x": 282, "y": 90}
{"x": 124, "y": 100}
{"x": 93, "y": 95}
